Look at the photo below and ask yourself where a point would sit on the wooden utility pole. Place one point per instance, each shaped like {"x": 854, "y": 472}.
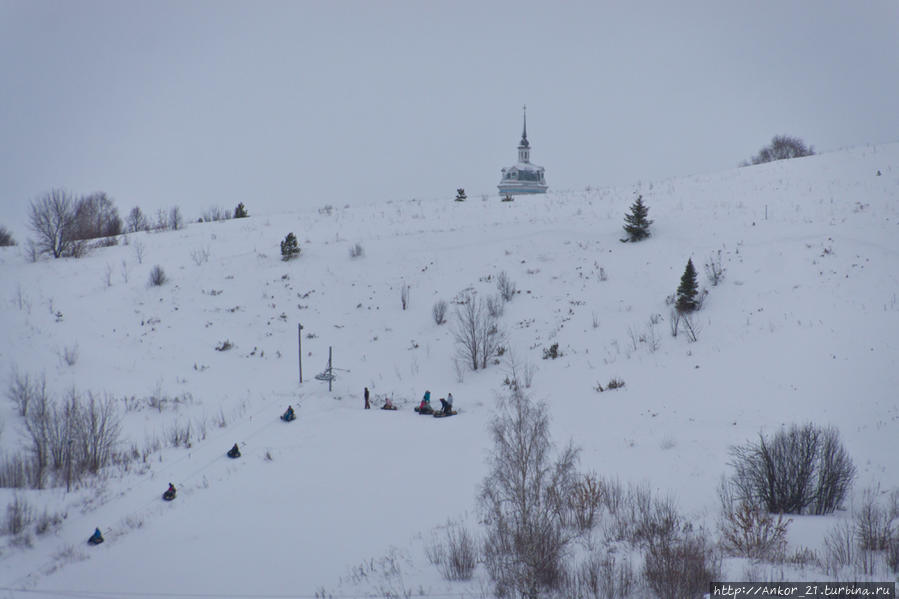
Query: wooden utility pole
{"x": 300, "y": 348}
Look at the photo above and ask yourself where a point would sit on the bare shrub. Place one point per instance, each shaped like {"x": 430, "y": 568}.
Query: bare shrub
{"x": 455, "y": 553}
{"x": 220, "y": 420}
{"x": 602, "y": 577}
{"x": 107, "y": 275}
{"x": 656, "y": 520}
{"x": 139, "y": 250}
{"x": 157, "y": 276}
{"x": 505, "y": 286}
{"x": 693, "y": 329}
{"x": 495, "y": 306}
{"x": 477, "y": 334}
{"x": 19, "y": 515}
{"x": 22, "y": 388}
{"x": 48, "y": 522}
{"x": 404, "y": 296}
{"x": 523, "y": 500}
{"x": 215, "y": 214}
{"x": 179, "y": 435}
{"x": 69, "y": 354}
{"x": 714, "y": 270}
{"x": 840, "y": 548}
{"x": 875, "y": 524}
{"x": 683, "y": 567}
{"x": 585, "y": 502}
{"x": 799, "y": 470}
{"x": 200, "y": 256}
{"x": 552, "y": 352}
{"x": 439, "y": 312}
{"x": 748, "y": 531}
{"x": 519, "y": 373}
{"x": 892, "y": 554}
{"x": 224, "y": 345}
{"x": 356, "y": 250}
{"x": 17, "y": 472}
{"x": 639, "y": 518}
{"x": 72, "y": 439}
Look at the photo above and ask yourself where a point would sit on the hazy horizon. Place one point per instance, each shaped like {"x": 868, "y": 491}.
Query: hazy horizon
{"x": 285, "y": 105}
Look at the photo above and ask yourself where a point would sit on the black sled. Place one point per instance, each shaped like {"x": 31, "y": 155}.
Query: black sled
{"x": 425, "y": 410}
{"x": 169, "y": 495}
{"x": 288, "y": 416}
{"x": 96, "y": 538}
{"x": 234, "y": 452}
{"x": 442, "y": 414}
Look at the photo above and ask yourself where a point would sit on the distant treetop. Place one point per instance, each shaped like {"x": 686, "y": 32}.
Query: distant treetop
{"x": 782, "y": 147}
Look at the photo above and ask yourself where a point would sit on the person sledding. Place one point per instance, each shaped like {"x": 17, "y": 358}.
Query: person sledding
{"x": 96, "y": 538}
{"x": 425, "y": 406}
{"x": 169, "y": 493}
{"x": 234, "y": 452}
{"x": 388, "y": 405}
{"x": 288, "y": 415}
{"x": 447, "y": 405}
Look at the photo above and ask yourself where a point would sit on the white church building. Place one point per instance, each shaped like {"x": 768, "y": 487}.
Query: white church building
{"x": 523, "y": 177}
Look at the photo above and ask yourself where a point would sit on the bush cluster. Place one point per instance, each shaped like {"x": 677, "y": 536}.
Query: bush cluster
{"x": 800, "y": 470}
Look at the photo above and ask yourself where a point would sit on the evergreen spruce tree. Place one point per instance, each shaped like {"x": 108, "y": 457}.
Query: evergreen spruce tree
{"x": 688, "y": 290}
{"x": 240, "y": 211}
{"x": 289, "y": 247}
{"x": 636, "y": 223}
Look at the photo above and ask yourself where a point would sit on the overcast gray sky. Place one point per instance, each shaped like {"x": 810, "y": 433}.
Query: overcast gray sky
{"x": 290, "y": 104}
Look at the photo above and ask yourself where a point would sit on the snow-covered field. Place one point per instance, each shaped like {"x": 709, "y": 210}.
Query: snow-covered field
{"x": 802, "y": 328}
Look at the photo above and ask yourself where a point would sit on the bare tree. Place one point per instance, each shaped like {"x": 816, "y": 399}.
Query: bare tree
{"x": 96, "y": 216}
{"x": 51, "y": 218}
{"x": 137, "y": 221}
{"x": 176, "y": 221}
{"x": 523, "y": 500}
{"x": 477, "y": 334}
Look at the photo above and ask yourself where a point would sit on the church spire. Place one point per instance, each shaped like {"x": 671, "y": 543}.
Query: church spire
{"x": 524, "y": 131}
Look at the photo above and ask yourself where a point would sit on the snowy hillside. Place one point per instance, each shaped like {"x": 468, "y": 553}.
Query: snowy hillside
{"x": 802, "y": 328}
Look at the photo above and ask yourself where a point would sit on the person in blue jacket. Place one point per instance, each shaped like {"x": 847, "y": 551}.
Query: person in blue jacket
{"x": 96, "y": 538}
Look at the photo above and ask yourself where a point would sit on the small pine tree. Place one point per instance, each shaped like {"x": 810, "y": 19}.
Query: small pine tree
{"x": 688, "y": 290}
{"x": 240, "y": 211}
{"x": 460, "y": 195}
{"x": 289, "y": 247}
{"x": 636, "y": 223}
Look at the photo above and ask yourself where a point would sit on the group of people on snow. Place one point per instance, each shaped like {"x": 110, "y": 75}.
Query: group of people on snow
{"x": 446, "y": 409}
{"x": 446, "y": 405}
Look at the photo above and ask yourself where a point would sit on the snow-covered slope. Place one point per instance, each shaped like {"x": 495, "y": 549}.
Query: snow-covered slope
{"x": 802, "y": 328}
